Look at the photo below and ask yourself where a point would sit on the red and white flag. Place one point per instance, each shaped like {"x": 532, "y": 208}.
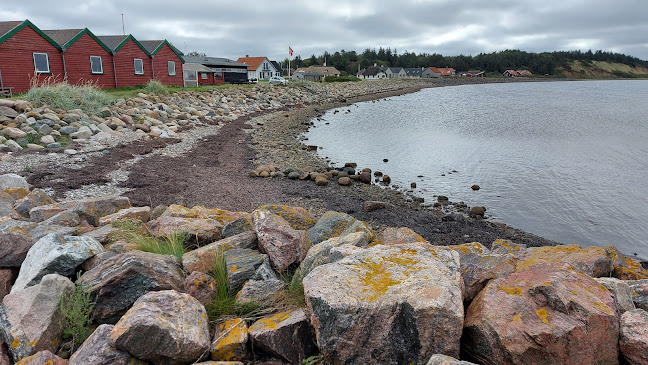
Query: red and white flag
{"x": 290, "y": 51}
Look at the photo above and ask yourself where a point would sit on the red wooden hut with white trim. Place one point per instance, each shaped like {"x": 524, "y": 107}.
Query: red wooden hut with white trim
{"x": 86, "y": 59}
{"x": 26, "y": 55}
{"x": 131, "y": 61}
{"x": 166, "y": 62}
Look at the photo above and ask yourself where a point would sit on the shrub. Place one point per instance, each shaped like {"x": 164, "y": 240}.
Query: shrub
{"x": 155, "y": 87}
{"x": 76, "y": 308}
{"x": 86, "y": 97}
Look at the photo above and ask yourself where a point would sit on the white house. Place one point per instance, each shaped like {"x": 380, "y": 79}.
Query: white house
{"x": 259, "y": 67}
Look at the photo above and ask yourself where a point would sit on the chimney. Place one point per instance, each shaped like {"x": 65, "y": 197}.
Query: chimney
{"x": 247, "y": 56}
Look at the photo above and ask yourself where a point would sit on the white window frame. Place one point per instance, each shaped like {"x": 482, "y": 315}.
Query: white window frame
{"x": 100, "y": 65}
{"x": 203, "y": 76}
{"x": 169, "y": 64}
{"x": 46, "y": 59}
{"x": 135, "y": 66}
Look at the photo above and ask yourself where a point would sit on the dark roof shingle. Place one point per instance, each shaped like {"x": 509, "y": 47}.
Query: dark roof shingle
{"x": 112, "y": 41}
{"x": 62, "y": 36}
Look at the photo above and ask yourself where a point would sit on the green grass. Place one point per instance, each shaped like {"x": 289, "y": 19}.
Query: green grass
{"x": 155, "y": 87}
{"x": 76, "y": 308}
{"x": 294, "y": 292}
{"x": 172, "y": 244}
{"x": 64, "y": 96}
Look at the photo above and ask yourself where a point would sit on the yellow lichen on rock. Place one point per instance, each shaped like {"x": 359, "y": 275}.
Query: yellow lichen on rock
{"x": 543, "y": 315}
{"x": 230, "y": 340}
{"x": 271, "y": 322}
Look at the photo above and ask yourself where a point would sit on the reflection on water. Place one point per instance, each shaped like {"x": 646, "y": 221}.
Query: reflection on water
{"x": 564, "y": 160}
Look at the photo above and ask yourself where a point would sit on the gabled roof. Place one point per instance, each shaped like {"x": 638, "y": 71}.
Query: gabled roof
{"x": 276, "y": 66}
{"x": 214, "y": 61}
{"x": 394, "y": 69}
{"x": 154, "y": 46}
{"x": 116, "y": 42}
{"x": 371, "y": 71}
{"x": 252, "y": 62}
{"x": 524, "y": 72}
{"x": 413, "y": 71}
{"x": 66, "y": 37}
{"x": 512, "y": 72}
{"x": 8, "y": 29}
{"x": 444, "y": 71}
{"x": 190, "y": 66}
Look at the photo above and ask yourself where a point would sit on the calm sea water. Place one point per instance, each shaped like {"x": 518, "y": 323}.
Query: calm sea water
{"x": 564, "y": 160}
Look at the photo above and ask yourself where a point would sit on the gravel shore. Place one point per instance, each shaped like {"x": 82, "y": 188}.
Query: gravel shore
{"x": 208, "y": 164}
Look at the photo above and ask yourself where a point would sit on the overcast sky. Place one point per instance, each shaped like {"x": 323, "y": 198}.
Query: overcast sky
{"x": 233, "y": 29}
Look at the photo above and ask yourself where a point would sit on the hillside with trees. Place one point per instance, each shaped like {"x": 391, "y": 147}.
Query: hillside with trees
{"x": 559, "y": 63}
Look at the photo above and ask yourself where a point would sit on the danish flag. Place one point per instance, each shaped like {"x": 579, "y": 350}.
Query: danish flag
{"x": 290, "y": 51}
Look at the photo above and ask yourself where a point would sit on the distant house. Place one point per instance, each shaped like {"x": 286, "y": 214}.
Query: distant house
{"x": 395, "y": 72}
{"x": 524, "y": 73}
{"x": 225, "y": 70}
{"x": 259, "y": 67}
{"x": 86, "y": 59}
{"x": 278, "y": 69}
{"x": 444, "y": 71}
{"x": 471, "y": 73}
{"x": 308, "y": 76}
{"x": 324, "y": 70}
{"x": 372, "y": 73}
{"x": 130, "y": 60}
{"x": 511, "y": 73}
{"x": 25, "y": 53}
{"x": 166, "y": 62}
{"x": 195, "y": 74}
{"x": 428, "y": 73}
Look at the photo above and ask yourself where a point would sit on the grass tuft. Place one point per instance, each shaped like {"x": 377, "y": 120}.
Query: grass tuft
{"x": 86, "y": 97}
{"x": 76, "y": 308}
{"x": 155, "y": 87}
{"x": 172, "y": 244}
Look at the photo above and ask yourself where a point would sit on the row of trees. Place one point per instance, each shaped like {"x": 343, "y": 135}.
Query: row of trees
{"x": 538, "y": 63}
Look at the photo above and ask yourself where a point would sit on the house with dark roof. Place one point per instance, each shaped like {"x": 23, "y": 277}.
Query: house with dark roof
{"x": 166, "y": 62}
{"x": 27, "y": 55}
{"x": 259, "y": 67}
{"x": 278, "y": 69}
{"x": 225, "y": 70}
{"x": 372, "y": 73}
{"x": 471, "y": 73}
{"x": 308, "y": 76}
{"x": 86, "y": 59}
{"x": 323, "y": 70}
{"x": 130, "y": 60}
{"x": 428, "y": 73}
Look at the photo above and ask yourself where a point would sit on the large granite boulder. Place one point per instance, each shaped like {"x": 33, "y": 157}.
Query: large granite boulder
{"x": 321, "y": 254}
{"x": 220, "y": 215}
{"x": 17, "y": 237}
{"x": 279, "y": 240}
{"x": 261, "y": 291}
{"x": 200, "y": 286}
{"x": 164, "y": 327}
{"x": 446, "y": 360}
{"x": 239, "y": 225}
{"x": 639, "y": 292}
{"x": 287, "y": 335}
{"x": 398, "y": 236}
{"x": 387, "y": 304}
{"x": 45, "y": 357}
{"x": 593, "y": 261}
{"x": 92, "y": 209}
{"x": 6, "y": 204}
{"x": 119, "y": 280}
{"x": 8, "y": 181}
{"x": 55, "y": 254}
{"x": 633, "y": 341}
{"x": 230, "y": 341}
{"x": 298, "y": 218}
{"x": 96, "y": 350}
{"x": 625, "y": 267}
{"x": 203, "y": 258}
{"x": 142, "y": 214}
{"x": 35, "y": 198}
{"x": 7, "y": 278}
{"x": 242, "y": 264}
{"x": 543, "y": 315}
{"x": 203, "y": 230}
{"x": 334, "y": 224}
{"x": 31, "y": 318}
{"x": 620, "y": 292}
{"x": 478, "y": 266}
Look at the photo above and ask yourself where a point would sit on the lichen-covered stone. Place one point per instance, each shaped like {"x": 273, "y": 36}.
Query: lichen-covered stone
{"x": 639, "y": 292}
{"x": 542, "y": 315}
{"x": 239, "y": 225}
{"x": 620, "y": 292}
{"x": 96, "y": 350}
{"x": 242, "y": 264}
{"x": 203, "y": 258}
{"x": 220, "y": 215}
{"x": 31, "y": 319}
{"x": 43, "y": 358}
{"x": 119, "y": 280}
{"x": 625, "y": 267}
{"x": 55, "y": 254}
{"x": 8, "y": 181}
{"x": 142, "y": 214}
{"x": 204, "y": 230}
{"x": 633, "y": 340}
{"x": 279, "y": 240}
{"x": 398, "y": 236}
{"x": 593, "y": 261}
{"x": 164, "y": 327}
{"x": 261, "y": 291}
{"x": 230, "y": 341}
{"x": 7, "y": 277}
{"x": 320, "y": 254}
{"x": 298, "y": 218}
{"x": 387, "y": 304}
{"x": 35, "y": 198}
{"x": 502, "y": 247}
{"x": 200, "y": 286}
{"x": 91, "y": 209}
{"x": 478, "y": 266}
{"x": 447, "y": 360}
{"x": 67, "y": 218}
{"x": 17, "y": 237}
{"x": 335, "y": 224}
{"x": 6, "y": 204}
{"x": 287, "y": 335}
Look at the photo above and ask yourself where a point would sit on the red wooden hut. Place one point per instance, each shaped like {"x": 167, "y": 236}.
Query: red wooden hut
{"x": 86, "y": 59}
{"x": 166, "y": 62}
{"x": 26, "y": 55}
{"x": 130, "y": 60}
